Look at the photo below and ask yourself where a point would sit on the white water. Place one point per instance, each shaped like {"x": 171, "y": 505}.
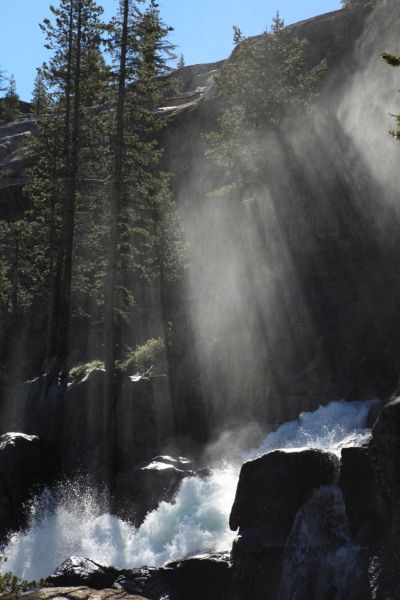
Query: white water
{"x": 196, "y": 522}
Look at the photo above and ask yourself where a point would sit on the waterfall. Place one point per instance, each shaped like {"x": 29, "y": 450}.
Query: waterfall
{"x": 71, "y": 521}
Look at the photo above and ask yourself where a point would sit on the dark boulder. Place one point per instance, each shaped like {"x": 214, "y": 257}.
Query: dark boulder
{"x": 150, "y": 582}
{"x": 198, "y": 578}
{"x": 21, "y": 468}
{"x": 270, "y": 492}
{"x": 356, "y": 484}
{"x": 77, "y": 571}
{"x": 272, "y": 488}
{"x": 141, "y": 490}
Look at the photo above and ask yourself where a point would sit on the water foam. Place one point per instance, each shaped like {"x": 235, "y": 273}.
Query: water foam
{"x": 70, "y": 522}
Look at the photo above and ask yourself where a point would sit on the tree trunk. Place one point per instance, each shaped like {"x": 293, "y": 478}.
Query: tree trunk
{"x": 70, "y": 202}
{"x": 111, "y": 274}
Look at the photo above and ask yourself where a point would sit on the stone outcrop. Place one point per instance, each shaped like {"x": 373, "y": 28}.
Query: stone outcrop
{"x": 272, "y": 488}
{"x": 77, "y": 571}
{"x": 22, "y": 466}
{"x": 198, "y": 578}
{"x": 271, "y": 491}
{"x": 141, "y": 489}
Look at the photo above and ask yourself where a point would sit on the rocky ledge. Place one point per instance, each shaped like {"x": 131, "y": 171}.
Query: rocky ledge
{"x": 80, "y": 593}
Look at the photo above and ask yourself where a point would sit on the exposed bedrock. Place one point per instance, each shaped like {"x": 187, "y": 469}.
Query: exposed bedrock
{"x": 121, "y": 443}
{"x": 24, "y": 464}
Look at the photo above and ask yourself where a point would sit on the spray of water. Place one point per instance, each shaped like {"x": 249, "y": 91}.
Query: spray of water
{"x": 74, "y": 522}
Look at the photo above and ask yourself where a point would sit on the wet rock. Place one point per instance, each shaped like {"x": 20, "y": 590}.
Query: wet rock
{"x": 21, "y": 467}
{"x": 80, "y": 593}
{"x": 356, "y": 480}
{"x": 207, "y": 576}
{"x": 320, "y": 561}
{"x": 152, "y": 583}
{"x": 257, "y": 576}
{"x": 198, "y": 578}
{"x": 384, "y": 452}
{"x": 141, "y": 490}
{"x": 77, "y": 571}
{"x": 272, "y": 488}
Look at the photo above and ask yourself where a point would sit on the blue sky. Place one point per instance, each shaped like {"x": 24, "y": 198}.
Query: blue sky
{"x": 203, "y": 28}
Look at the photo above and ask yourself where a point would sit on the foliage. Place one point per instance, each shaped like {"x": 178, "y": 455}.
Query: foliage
{"x": 2, "y": 80}
{"x": 147, "y": 359}
{"x": 265, "y": 80}
{"x": 393, "y": 61}
{"x": 12, "y": 586}
{"x": 181, "y": 62}
{"x": 82, "y": 370}
{"x": 144, "y": 229}
{"x": 57, "y": 256}
{"x": 10, "y": 103}
{"x": 40, "y": 96}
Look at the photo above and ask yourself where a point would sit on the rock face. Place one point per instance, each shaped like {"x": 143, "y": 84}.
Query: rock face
{"x": 356, "y": 478}
{"x": 271, "y": 491}
{"x": 320, "y": 561}
{"x": 272, "y": 488}
{"x": 385, "y": 461}
{"x": 21, "y": 467}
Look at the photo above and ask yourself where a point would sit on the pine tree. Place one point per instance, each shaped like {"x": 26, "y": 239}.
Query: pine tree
{"x": 75, "y": 75}
{"x": 40, "y": 95}
{"x": 393, "y": 61}
{"x": 11, "y": 102}
{"x": 266, "y": 80}
{"x": 181, "y": 62}
{"x": 139, "y": 189}
{"x": 2, "y": 80}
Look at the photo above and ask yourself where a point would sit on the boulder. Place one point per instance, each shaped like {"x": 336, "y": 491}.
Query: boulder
{"x": 272, "y": 488}
{"x": 198, "y": 578}
{"x": 356, "y": 479}
{"x": 151, "y": 582}
{"x": 77, "y": 571}
{"x": 80, "y": 593}
{"x": 21, "y": 467}
{"x": 141, "y": 490}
